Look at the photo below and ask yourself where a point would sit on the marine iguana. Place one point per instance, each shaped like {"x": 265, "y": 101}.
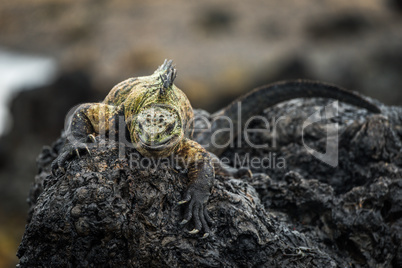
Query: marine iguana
{"x": 159, "y": 121}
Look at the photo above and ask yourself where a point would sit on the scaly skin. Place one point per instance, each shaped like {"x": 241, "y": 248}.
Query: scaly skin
{"x": 158, "y": 118}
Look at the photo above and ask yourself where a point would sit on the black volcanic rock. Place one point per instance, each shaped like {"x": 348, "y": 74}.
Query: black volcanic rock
{"x": 104, "y": 213}
{"x": 108, "y": 211}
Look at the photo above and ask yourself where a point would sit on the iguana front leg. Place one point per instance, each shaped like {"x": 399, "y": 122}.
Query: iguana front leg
{"x": 88, "y": 120}
{"x": 198, "y": 161}
{"x": 202, "y": 167}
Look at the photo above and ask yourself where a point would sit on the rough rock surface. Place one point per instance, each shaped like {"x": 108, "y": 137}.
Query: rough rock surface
{"x": 354, "y": 207}
{"x": 102, "y": 212}
{"x": 108, "y": 211}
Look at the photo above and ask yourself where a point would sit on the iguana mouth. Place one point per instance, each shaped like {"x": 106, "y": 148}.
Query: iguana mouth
{"x": 159, "y": 146}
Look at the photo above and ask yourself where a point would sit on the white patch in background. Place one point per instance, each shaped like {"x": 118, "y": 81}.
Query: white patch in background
{"x": 21, "y": 72}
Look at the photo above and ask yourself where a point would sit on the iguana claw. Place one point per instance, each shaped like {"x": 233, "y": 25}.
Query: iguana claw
{"x": 183, "y": 222}
{"x": 205, "y": 236}
{"x": 77, "y": 152}
{"x": 68, "y": 152}
{"x": 91, "y": 138}
{"x": 88, "y": 151}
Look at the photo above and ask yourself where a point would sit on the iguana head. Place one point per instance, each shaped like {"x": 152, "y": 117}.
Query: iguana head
{"x": 158, "y": 118}
{"x": 158, "y": 130}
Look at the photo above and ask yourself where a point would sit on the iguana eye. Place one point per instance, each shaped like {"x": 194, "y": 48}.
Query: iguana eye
{"x": 171, "y": 127}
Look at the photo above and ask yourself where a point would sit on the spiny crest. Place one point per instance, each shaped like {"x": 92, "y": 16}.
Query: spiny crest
{"x": 167, "y": 74}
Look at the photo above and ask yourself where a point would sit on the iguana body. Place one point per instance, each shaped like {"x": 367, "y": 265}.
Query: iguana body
{"x": 158, "y": 118}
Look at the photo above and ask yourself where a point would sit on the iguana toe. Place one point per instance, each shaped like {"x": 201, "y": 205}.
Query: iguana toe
{"x": 197, "y": 211}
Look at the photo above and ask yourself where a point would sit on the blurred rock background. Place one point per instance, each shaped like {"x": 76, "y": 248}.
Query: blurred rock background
{"x": 221, "y": 49}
